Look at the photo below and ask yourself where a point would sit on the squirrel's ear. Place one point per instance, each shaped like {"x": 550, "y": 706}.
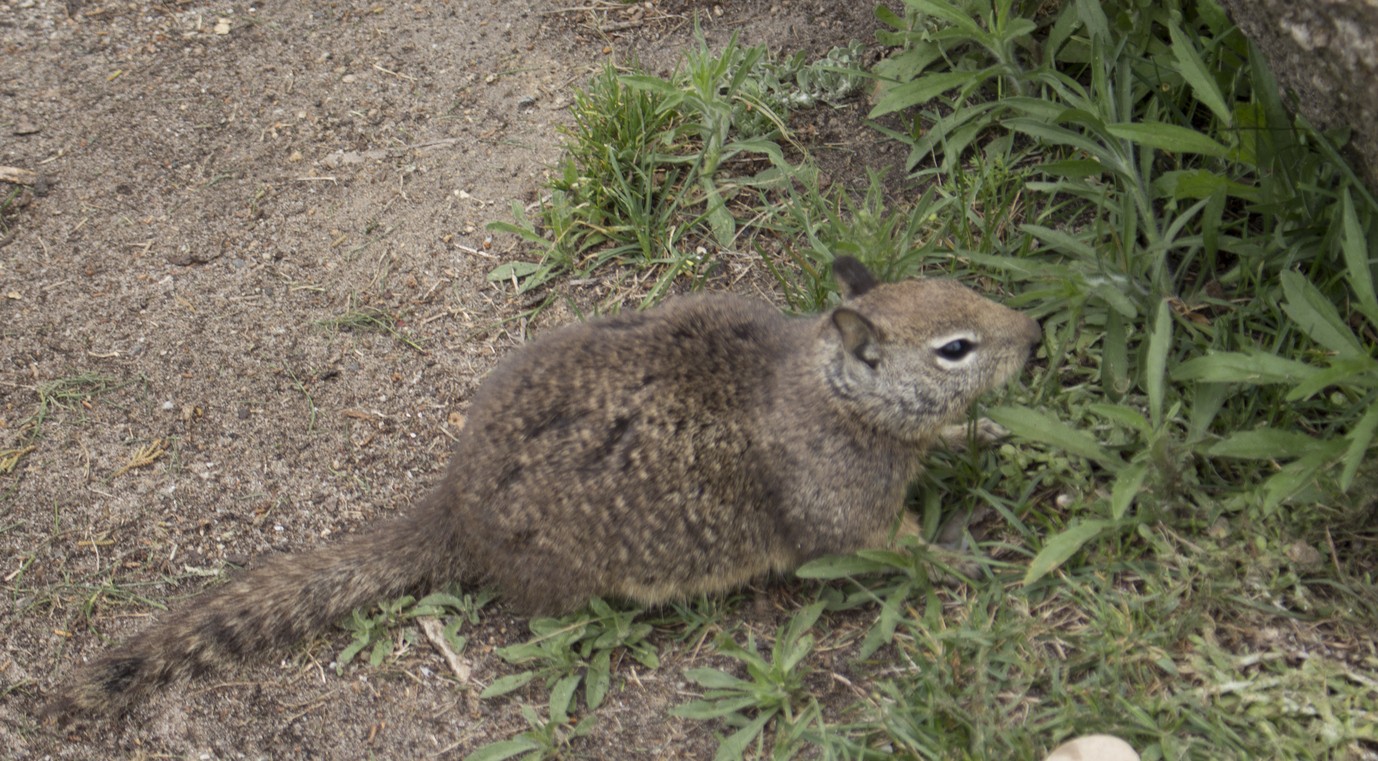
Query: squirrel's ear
{"x": 852, "y": 276}
{"x": 859, "y": 336}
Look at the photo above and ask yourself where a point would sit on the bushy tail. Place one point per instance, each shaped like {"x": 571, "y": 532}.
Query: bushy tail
{"x": 277, "y": 603}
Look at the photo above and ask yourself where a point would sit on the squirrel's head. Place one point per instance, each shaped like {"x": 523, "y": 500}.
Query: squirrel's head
{"x": 910, "y": 357}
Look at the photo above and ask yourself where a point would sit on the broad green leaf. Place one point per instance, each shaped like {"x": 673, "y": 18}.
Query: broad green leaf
{"x": 736, "y": 744}
{"x": 1061, "y": 241}
{"x": 509, "y": 270}
{"x": 506, "y": 684}
{"x": 1074, "y": 169}
{"x": 1256, "y": 368}
{"x": 381, "y": 650}
{"x": 1114, "y": 363}
{"x": 562, "y": 697}
{"x": 1155, "y": 362}
{"x": 1207, "y": 399}
{"x": 525, "y": 233}
{"x": 1113, "y": 294}
{"x": 585, "y": 725}
{"x": 1194, "y": 71}
{"x": 804, "y": 620}
{"x": 957, "y": 17}
{"x": 1060, "y": 31}
{"x": 353, "y": 649}
{"x": 440, "y": 599}
{"x": 720, "y": 220}
{"x": 883, "y": 631}
{"x": 1182, "y": 184}
{"x": 1361, "y": 371}
{"x": 1264, "y": 444}
{"x": 1212, "y": 221}
{"x": 1126, "y": 488}
{"x": 1358, "y": 258}
{"x": 954, "y": 143}
{"x": 948, "y": 130}
{"x": 921, "y": 91}
{"x": 768, "y": 148}
{"x": 1055, "y": 135}
{"x": 1316, "y": 316}
{"x": 650, "y": 84}
{"x": 1168, "y": 137}
{"x": 890, "y": 18}
{"x": 1037, "y": 426}
{"x": 798, "y": 650}
{"x": 887, "y": 559}
{"x": 452, "y": 636}
{"x": 1360, "y": 437}
{"x": 906, "y": 66}
{"x": 646, "y": 656}
{"x": 1040, "y": 109}
{"x": 714, "y": 679}
{"x": 1295, "y": 477}
{"x": 838, "y": 567}
{"x": 598, "y": 679}
{"x": 1092, "y": 14}
{"x": 1125, "y": 416}
{"x": 1019, "y": 27}
{"x": 499, "y": 751}
{"x": 714, "y": 709}
{"x": 1058, "y": 549}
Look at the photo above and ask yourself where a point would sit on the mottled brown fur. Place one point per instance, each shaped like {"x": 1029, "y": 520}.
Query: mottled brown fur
{"x": 650, "y": 456}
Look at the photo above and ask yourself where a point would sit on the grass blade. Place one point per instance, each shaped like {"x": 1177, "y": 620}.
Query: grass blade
{"x": 1062, "y": 547}
{"x": 1201, "y": 81}
{"x": 1256, "y": 368}
{"x": 1360, "y": 437}
{"x": 1317, "y": 317}
{"x": 1168, "y": 137}
{"x": 1264, "y": 444}
{"x": 1037, "y": 426}
{"x": 1358, "y": 258}
{"x": 1155, "y": 362}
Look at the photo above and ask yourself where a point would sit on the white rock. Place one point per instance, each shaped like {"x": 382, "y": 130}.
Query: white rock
{"x": 1094, "y": 748}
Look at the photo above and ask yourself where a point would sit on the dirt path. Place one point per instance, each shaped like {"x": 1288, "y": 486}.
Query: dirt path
{"x": 217, "y": 182}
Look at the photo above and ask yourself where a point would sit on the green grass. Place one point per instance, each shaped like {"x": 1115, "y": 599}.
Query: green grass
{"x": 372, "y": 320}
{"x": 371, "y": 632}
{"x": 9, "y": 200}
{"x": 59, "y": 394}
{"x": 663, "y": 173}
{"x": 1183, "y": 543}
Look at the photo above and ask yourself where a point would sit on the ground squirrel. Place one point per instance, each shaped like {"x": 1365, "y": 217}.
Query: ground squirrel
{"x": 648, "y": 456}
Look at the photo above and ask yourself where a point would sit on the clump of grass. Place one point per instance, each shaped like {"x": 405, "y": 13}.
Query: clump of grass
{"x": 774, "y": 690}
{"x": 566, "y": 654}
{"x": 371, "y": 632}
{"x": 658, "y": 172}
{"x": 65, "y": 393}
{"x": 372, "y": 320}
{"x": 9, "y": 202}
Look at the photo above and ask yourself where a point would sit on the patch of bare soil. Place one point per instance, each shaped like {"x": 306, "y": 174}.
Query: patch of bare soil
{"x": 216, "y": 183}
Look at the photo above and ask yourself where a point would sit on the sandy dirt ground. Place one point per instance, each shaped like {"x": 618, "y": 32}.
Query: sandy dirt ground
{"x": 216, "y": 182}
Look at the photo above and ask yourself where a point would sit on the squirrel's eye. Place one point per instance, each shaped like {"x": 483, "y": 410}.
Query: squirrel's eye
{"x": 955, "y": 350}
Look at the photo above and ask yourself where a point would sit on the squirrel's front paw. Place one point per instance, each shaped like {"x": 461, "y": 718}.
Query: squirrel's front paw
{"x": 959, "y": 436}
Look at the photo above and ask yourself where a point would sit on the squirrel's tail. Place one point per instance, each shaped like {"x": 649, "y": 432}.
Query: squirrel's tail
{"x": 273, "y": 604}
